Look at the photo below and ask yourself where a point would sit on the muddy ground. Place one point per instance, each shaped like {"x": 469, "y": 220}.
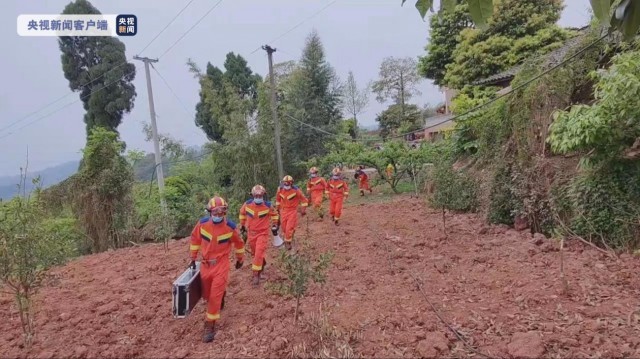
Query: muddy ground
{"x": 394, "y": 274}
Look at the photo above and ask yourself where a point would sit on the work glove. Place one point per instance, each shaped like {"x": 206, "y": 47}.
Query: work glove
{"x": 274, "y": 230}
{"x": 192, "y": 265}
{"x": 239, "y": 264}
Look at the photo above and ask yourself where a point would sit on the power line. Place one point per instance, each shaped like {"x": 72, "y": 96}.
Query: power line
{"x": 166, "y": 27}
{"x": 92, "y": 81}
{"x": 298, "y": 25}
{"x": 171, "y": 89}
{"x": 523, "y": 85}
{"x": 191, "y": 28}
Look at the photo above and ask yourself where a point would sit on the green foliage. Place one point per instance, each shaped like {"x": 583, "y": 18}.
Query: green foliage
{"x": 398, "y": 80}
{"x": 503, "y": 202}
{"x": 399, "y": 119}
{"x": 30, "y": 243}
{"x": 238, "y": 80}
{"x": 170, "y": 148}
{"x": 442, "y": 42}
{"x": 102, "y": 200}
{"x": 313, "y": 97}
{"x": 300, "y": 267}
{"x": 609, "y": 127}
{"x": 606, "y": 205}
{"x": 97, "y": 67}
{"x": 519, "y": 30}
{"x": 454, "y": 191}
{"x": 623, "y": 15}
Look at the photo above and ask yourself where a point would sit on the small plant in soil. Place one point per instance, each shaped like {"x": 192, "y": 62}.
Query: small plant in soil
{"x": 299, "y": 267}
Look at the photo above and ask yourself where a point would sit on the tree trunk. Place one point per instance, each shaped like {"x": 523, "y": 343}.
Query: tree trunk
{"x": 297, "y": 309}
{"x": 444, "y": 221}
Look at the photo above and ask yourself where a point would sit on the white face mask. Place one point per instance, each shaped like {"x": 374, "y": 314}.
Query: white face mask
{"x": 335, "y": 177}
{"x": 258, "y": 200}
{"x": 286, "y": 187}
{"x": 313, "y": 175}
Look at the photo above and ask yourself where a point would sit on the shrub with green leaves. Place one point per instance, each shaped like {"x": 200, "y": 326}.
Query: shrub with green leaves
{"x": 299, "y": 267}
{"x": 30, "y": 243}
{"x": 454, "y": 191}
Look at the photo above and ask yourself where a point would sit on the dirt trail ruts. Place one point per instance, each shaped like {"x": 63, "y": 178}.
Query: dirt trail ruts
{"x": 497, "y": 288}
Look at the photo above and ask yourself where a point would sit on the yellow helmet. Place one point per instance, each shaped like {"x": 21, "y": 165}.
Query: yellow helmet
{"x": 258, "y": 190}
{"x": 217, "y": 205}
{"x": 313, "y": 170}
{"x": 336, "y": 172}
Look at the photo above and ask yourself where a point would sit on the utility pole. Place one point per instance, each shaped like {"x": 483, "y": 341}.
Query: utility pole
{"x": 154, "y": 130}
{"x": 274, "y": 110}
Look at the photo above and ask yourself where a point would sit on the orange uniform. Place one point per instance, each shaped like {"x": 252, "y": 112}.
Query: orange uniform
{"x": 363, "y": 181}
{"x": 214, "y": 241}
{"x": 316, "y": 188}
{"x": 287, "y": 202}
{"x": 258, "y": 219}
{"x": 338, "y": 190}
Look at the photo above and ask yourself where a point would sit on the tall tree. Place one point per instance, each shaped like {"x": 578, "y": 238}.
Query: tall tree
{"x": 398, "y": 81}
{"x": 314, "y": 99}
{"x": 355, "y": 100}
{"x": 238, "y": 78}
{"x": 444, "y": 31}
{"x": 97, "y": 67}
{"x": 518, "y": 30}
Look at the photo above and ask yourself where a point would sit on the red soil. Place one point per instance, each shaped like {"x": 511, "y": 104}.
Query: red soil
{"x": 499, "y": 289}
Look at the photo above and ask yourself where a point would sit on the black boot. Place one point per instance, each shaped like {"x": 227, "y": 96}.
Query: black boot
{"x": 361, "y": 192}
{"x": 209, "y": 332}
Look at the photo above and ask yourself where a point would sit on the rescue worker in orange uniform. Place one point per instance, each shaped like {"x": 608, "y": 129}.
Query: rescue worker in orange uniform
{"x": 257, "y": 217}
{"x": 363, "y": 178}
{"x": 213, "y": 236}
{"x": 288, "y": 199}
{"x": 316, "y": 187}
{"x": 338, "y": 191}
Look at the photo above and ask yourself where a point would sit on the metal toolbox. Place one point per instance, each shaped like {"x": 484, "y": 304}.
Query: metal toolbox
{"x": 187, "y": 291}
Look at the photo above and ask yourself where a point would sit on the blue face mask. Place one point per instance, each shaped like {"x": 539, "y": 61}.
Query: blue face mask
{"x": 216, "y": 219}
{"x": 335, "y": 177}
{"x": 258, "y": 200}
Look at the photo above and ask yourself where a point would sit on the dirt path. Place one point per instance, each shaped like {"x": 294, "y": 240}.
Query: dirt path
{"x": 499, "y": 290}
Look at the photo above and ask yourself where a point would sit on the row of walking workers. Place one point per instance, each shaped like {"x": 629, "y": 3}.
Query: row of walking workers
{"x": 215, "y": 235}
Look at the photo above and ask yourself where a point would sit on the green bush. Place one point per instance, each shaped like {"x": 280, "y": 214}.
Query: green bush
{"x": 502, "y": 201}
{"x": 454, "y": 191}
{"x": 70, "y": 237}
{"x": 607, "y": 206}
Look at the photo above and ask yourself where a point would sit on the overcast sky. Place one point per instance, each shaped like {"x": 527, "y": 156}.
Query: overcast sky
{"x": 356, "y": 34}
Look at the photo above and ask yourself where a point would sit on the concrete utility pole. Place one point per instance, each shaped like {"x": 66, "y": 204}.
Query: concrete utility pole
{"x": 154, "y": 129}
{"x": 274, "y": 109}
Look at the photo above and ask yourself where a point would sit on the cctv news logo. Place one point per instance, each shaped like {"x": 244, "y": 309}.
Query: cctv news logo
{"x": 77, "y": 25}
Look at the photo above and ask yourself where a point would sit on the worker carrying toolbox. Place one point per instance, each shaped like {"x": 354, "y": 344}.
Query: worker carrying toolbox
{"x": 213, "y": 237}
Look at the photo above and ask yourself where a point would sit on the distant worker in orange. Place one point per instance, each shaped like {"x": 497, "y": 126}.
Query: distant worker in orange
{"x": 213, "y": 236}
{"x": 316, "y": 186}
{"x": 363, "y": 179}
{"x": 288, "y": 199}
{"x": 257, "y": 217}
{"x": 338, "y": 191}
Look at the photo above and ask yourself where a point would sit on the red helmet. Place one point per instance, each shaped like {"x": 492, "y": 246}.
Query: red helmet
{"x": 217, "y": 205}
{"x": 287, "y": 180}
{"x": 258, "y": 191}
